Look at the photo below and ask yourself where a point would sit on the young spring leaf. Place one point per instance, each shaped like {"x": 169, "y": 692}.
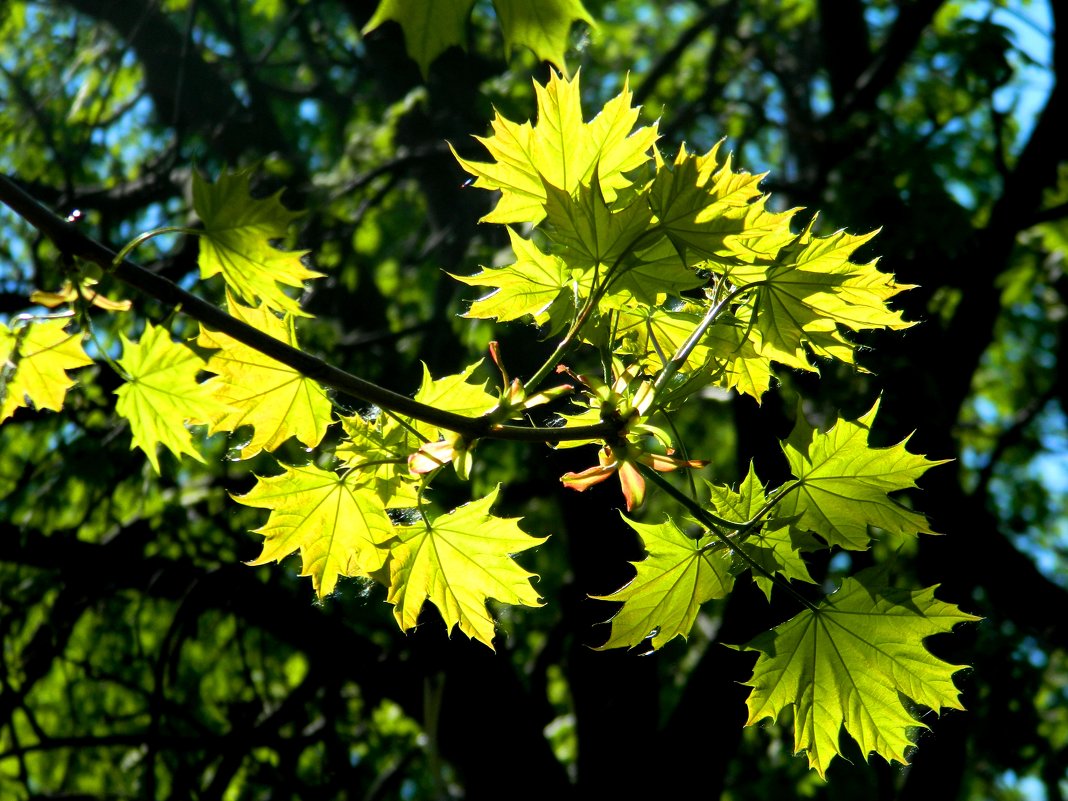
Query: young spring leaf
{"x": 736, "y": 351}
{"x": 561, "y": 150}
{"x": 844, "y": 483}
{"x": 770, "y": 545}
{"x": 544, "y": 26}
{"x": 276, "y": 400}
{"x": 458, "y": 561}
{"x": 377, "y": 451}
{"x": 848, "y": 663}
{"x": 705, "y": 208}
{"x": 589, "y": 232}
{"x": 809, "y": 290}
{"x": 453, "y": 393}
{"x": 429, "y": 28}
{"x": 238, "y": 232}
{"x": 162, "y": 394}
{"x": 337, "y": 524}
{"x": 678, "y": 574}
{"x": 530, "y": 285}
{"x": 34, "y": 360}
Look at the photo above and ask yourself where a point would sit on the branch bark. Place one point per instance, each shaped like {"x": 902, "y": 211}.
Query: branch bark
{"x": 69, "y": 239}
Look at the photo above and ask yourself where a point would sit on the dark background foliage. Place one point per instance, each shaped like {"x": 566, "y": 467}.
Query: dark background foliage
{"x": 142, "y": 660}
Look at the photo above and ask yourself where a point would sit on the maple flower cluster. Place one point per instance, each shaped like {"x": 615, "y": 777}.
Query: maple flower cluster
{"x": 627, "y": 401}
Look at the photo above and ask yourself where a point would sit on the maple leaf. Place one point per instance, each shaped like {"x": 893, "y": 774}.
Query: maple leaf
{"x": 453, "y": 393}
{"x": 530, "y": 285}
{"x": 276, "y": 400}
{"x": 770, "y": 544}
{"x": 653, "y": 335}
{"x": 430, "y": 28}
{"x": 377, "y": 451}
{"x": 458, "y": 561}
{"x": 543, "y": 26}
{"x": 735, "y": 348}
{"x": 336, "y": 523}
{"x": 590, "y": 233}
{"x": 654, "y": 273}
{"x": 236, "y": 242}
{"x": 34, "y": 359}
{"x": 706, "y": 209}
{"x": 161, "y": 393}
{"x": 678, "y": 574}
{"x": 801, "y": 297}
{"x": 561, "y": 151}
{"x": 843, "y": 482}
{"x": 848, "y": 662}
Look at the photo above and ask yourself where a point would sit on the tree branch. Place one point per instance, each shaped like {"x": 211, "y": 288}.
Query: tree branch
{"x": 69, "y": 239}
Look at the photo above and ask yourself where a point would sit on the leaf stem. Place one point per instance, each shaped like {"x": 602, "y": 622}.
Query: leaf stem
{"x": 584, "y": 313}
{"x": 140, "y": 239}
{"x": 686, "y": 348}
{"x": 712, "y": 522}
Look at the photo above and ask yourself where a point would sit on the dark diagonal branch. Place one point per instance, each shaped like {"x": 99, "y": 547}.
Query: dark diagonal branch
{"x": 70, "y": 240}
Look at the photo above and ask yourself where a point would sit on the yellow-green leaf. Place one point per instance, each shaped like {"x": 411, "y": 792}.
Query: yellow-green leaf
{"x": 770, "y": 545}
{"x": 811, "y": 288}
{"x": 458, "y": 561}
{"x": 430, "y": 26}
{"x": 561, "y": 150}
{"x": 453, "y": 393}
{"x": 162, "y": 393}
{"x": 678, "y": 574}
{"x": 34, "y": 359}
{"x": 377, "y": 451}
{"x": 337, "y": 524}
{"x": 236, "y": 242}
{"x": 276, "y": 400}
{"x": 528, "y": 286}
{"x": 543, "y": 26}
{"x": 705, "y": 207}
{"x": 844, "y": 483}
{"x": 848, "y": 663}
{"x": 725, "y": 356}
{"x": 735, "y": 349}
{"x": 589, "y": 232}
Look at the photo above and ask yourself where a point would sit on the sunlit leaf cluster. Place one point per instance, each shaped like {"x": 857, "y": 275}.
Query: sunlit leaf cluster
{"x": 658, "y": 278}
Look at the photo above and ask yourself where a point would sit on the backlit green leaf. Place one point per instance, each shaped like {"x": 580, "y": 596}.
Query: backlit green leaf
{"x": 458, "y": 561}
{"x": 337, "y": 524}
{"x": 429, "y": 28}
{"x": 678, "y": 574}
{"x": 844, "y": 482}
{"x": 849, "y": 663}
{"x": 377, "y": 451}
{"x": 276, "y": 400}
{"x": 34, "y": 359}
{"x": 238, "y": 232}
{"x": 527, "y": 286}
{"x": 812, "y": 288}
{"x": 162, "y": 394}
{"x": 588, "y": 231}
{"x": 453, "y": 393}
{"x": 543, "y": 26}
{"x": 561, "y": 150}
{"x": 770, "y": 545}
{"x": 702, "y": 206}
